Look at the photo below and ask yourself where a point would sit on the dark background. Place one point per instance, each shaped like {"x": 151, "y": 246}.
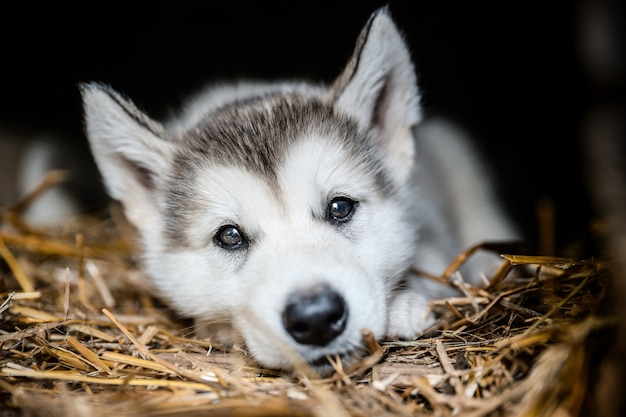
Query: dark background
{"x": 511, "y": 74}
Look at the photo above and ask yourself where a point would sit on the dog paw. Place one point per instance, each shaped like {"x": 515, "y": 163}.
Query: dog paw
{"x": 409, "y": 316}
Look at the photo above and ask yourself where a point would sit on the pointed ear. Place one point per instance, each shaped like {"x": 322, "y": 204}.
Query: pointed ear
{"x": 379, "y": 88}
{"x": 129, "y": 150}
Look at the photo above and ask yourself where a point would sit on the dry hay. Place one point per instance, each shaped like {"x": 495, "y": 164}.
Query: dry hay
{"x": 80, "y": 335}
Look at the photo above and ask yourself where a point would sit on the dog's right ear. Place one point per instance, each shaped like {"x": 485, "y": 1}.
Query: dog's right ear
{"x": 378, "y": 88}
{"x": 129, "y": 149}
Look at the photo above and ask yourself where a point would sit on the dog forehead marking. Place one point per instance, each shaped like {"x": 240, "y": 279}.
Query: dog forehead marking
{"x": 255, "y": 133}
{"x": 312, "y": 171}
{"x": 262, "y": 137}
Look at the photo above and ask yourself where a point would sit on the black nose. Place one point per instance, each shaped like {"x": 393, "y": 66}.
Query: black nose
{"x": 315, "y": 316}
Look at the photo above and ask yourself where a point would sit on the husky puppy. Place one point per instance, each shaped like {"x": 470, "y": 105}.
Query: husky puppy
{"x": 288, "y": 215}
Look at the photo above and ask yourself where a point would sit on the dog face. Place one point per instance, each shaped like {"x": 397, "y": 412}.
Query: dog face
{"x": 296, "y": 257}
{"x": 277, "y": 214}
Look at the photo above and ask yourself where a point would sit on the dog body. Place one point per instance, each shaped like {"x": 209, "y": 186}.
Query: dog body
{"x": 288, "y": 215}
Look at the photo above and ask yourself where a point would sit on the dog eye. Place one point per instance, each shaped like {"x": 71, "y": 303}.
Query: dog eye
{"x": 231, "y": 238}
{"x": 341, "y": 209}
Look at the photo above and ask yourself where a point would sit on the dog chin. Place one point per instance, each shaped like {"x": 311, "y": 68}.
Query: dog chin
{"x": 323, "y": 367}
{"x": 287, "y": 357}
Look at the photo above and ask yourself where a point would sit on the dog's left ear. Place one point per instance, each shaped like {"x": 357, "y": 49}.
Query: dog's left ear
{"x": 379, "y": 88}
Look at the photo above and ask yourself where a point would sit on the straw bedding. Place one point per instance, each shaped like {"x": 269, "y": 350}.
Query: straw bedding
{"x": 81, "y": 334}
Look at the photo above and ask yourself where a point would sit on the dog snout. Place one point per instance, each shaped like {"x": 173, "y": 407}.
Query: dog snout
{"x": 315, "y": 316}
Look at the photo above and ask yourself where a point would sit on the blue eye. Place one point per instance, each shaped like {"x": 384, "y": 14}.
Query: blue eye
{"x": 230, "y": 237}
{"x": 341, "y": 209}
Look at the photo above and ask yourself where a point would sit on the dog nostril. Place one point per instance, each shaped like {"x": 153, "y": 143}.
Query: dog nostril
{"x": 315, "y": 316}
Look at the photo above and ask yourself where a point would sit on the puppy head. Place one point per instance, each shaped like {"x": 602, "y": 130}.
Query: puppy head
{"x": 282, "y": 214}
